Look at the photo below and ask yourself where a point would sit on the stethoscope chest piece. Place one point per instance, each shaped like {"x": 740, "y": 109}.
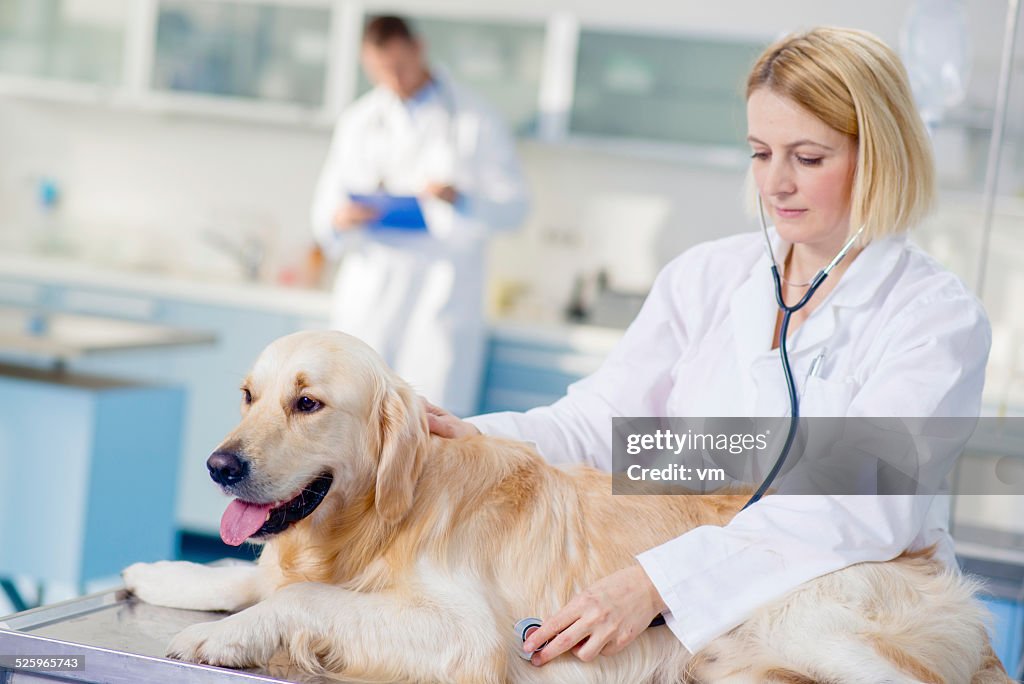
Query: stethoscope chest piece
{"x": 523, "y": 629}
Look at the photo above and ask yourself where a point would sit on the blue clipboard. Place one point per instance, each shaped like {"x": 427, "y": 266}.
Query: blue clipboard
{"x": 394, "y": 212}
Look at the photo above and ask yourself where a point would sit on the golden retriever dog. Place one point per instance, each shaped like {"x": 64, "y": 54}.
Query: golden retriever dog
{"x": 393, "y": 555}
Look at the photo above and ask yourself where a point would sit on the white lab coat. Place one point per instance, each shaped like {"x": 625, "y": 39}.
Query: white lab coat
{"x": 418, "y": 298}
{"x": 902, "y": 337}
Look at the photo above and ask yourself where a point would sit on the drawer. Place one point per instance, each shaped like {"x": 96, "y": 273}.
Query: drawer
{"x": 521, "y": 375}
{"x": 497, "y": 399}
{"x": 531, "y": 379}
{"x": 21, "y": 293}
{"x": 107, "y": 304}
{"x": 555, "y": 359}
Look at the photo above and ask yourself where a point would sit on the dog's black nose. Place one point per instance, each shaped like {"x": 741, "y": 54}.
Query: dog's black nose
{"x": 226, "y": 468}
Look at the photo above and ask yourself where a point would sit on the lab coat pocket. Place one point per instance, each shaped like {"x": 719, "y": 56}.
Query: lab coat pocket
{"x": 827, "y": 397}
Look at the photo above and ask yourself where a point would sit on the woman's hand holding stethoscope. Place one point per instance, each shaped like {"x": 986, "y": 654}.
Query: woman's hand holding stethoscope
{"x": 602, "y": 619}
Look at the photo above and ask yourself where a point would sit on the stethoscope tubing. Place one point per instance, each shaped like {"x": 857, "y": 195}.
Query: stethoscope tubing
{"x": 787, "y": 312}
{"x": 794, "y": 401}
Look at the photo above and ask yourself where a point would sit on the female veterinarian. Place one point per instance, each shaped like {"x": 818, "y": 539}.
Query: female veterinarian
{"x": 837, "y": 146}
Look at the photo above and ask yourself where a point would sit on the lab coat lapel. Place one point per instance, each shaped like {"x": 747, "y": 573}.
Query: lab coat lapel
{"x": 859, "y": 284}
{"x": 420, "y": 143}
{"x": 816, "y": 330}
{"x": 752, "y": 312}
{"x": 401, "y": 145}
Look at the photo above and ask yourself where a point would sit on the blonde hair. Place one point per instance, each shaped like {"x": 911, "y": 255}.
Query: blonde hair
{"x": 857, "y": 85}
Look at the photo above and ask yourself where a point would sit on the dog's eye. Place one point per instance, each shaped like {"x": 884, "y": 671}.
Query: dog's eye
{"x": 246, "y": 396}
{"x": 307, "y": 405}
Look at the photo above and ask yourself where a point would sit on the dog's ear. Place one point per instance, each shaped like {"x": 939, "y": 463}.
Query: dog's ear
{"x": 402, "y": 437}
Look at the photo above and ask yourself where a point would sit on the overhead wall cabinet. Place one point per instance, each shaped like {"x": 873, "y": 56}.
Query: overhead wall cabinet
{"x": 297, "y": 62}
{"x": 248, "y": 59}
{"x": 502, "y": 61}
{"x": 673, "y": 89}
{"x": 555, "y": 76}
{"x": 564, "y": 82}
{"x": 242, "y": 50}
{"x": 77, "y": 41}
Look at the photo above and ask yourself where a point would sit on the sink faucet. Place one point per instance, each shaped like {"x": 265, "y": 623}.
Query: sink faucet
{"x": 248, "y": 252}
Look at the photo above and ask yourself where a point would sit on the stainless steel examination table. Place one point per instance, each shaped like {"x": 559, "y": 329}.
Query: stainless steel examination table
{"x": 119, "y": 640}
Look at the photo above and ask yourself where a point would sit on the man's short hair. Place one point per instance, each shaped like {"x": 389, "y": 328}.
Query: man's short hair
{"x": 381, "y": 30}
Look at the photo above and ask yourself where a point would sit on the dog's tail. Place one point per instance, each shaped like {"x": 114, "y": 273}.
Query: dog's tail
{"x": 991, "y": 670}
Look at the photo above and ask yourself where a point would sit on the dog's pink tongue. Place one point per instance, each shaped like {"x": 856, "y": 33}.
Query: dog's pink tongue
{"x": 241, "y": 520}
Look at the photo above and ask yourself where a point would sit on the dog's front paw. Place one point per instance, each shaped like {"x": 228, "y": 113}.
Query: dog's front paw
{"x": 178, "y": 584}
{"x": 162, "y": 583}
{"x": 235, "y": 641}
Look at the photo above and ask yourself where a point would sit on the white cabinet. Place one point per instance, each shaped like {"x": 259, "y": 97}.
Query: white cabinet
{"x": 500, "y": 60}
{"x": 662, "y": 88}
{"x": 297, "y": 62}
{"x": 80, "y": 41}
{"x": 260, "y": 52}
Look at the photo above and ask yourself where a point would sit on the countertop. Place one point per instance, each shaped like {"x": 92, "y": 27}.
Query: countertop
{"x": 308, "y": 303}
{"x": 62, "y": 337}
{"x": 69, "y": 271}
{"x": 19, "y": 269}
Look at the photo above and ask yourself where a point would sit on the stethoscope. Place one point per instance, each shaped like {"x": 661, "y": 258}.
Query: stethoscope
{"x": 377, "y": 155}
{"x": 526, "y": 626}
{"x": 787, "y": 311}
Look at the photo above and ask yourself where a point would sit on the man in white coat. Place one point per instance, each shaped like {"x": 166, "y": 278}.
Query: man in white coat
{"x": 417, "y": 296}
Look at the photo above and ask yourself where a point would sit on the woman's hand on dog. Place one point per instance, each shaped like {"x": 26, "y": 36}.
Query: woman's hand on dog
{"x": 602, "y": 620}
{"x": 444, "y": 424}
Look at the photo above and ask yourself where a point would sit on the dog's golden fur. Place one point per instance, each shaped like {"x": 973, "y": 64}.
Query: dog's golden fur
{"x": 427, "y": 550}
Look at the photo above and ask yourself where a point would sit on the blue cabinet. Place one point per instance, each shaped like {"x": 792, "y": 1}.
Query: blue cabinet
{"x": 87, "y": 472}
{"x": 996, "y": 558}
{"x": 533, "y": 366}
{"x": 210, "y": 375}
{"x": 1005, "y": 630}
